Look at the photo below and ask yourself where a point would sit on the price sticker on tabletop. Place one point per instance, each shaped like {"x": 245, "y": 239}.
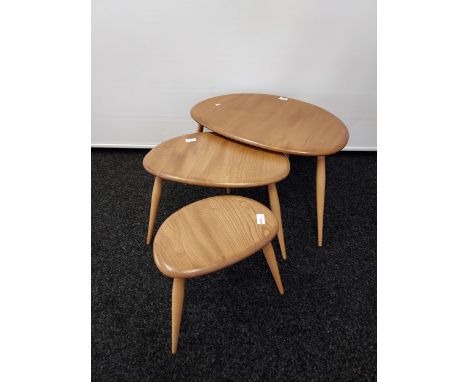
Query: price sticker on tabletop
{"x": 260, "y": 218}
{"x": 190, "y": 139}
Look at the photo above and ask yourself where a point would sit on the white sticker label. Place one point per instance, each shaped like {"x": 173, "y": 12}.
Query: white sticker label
{"x": 190, "y": 139}
{"x": 260, "y": 218}
{"x": 283, "y": 98}
{"x": 217, "y": 104}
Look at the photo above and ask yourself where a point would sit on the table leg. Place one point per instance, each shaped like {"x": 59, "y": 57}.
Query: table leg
{"x": 269, "y": 253}
{"x": 155, "y": 197}
{"x": 275, "y": 207}
{"x": 200, "y": 128}
{"x": 177, "y": 305}
{"x": 320, "y": 195}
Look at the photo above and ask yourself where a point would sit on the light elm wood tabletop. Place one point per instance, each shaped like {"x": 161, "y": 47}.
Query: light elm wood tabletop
{"x": 210, "y": 235}
{"x": 279, "y": 124}
{"x": 207, "y": 159}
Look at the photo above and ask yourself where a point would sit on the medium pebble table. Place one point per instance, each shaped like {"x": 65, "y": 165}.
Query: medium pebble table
{"x": 279, "y": 124}
{"x": 207, "y": 159}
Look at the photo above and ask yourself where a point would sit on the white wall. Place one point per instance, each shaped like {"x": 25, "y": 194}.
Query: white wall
{"x": 152, "y": 60}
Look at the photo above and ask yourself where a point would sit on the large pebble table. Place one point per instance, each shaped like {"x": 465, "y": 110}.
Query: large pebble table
{"x": 279, "y": 124}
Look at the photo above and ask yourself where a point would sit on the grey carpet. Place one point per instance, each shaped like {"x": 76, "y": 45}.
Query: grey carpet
{"x": 235, "y": 325}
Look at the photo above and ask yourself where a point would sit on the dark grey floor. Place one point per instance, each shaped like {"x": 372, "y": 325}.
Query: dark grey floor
{"x": 235, "y": 325}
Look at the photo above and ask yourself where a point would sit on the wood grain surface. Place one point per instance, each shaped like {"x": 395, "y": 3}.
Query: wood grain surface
{"x": 210, "y": 235}
{"x": 214, "y": 161}
{"x": 288, "y": 126}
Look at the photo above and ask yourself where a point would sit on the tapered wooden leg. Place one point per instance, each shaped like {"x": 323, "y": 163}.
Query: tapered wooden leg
{"x": 200, "y": 128}
{"x": 320, "y": 195}
{"x": 275, "y": 207}
{"x": 155, "y": 197}
{"x": 269, "y": 253}
{"x": 177, "y": 305}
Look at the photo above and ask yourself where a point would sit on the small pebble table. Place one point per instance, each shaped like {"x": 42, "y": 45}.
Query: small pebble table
{"x": 207, "y": 159}
{"x": 279, "y": 124}
{"x": 210, "y": 235}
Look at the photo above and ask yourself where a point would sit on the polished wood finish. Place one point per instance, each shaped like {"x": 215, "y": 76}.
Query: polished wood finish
{"x": 273, "y": 265}
{"x": 216, "y": 162}
{"x": 177, "y": 306}
{"x": 275, "y": 207}
{"x": 288, "y": 126}
{"x": 211, "y": 234}
{"x": 155, "y": 198}
{"x": 320, "y": 196}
